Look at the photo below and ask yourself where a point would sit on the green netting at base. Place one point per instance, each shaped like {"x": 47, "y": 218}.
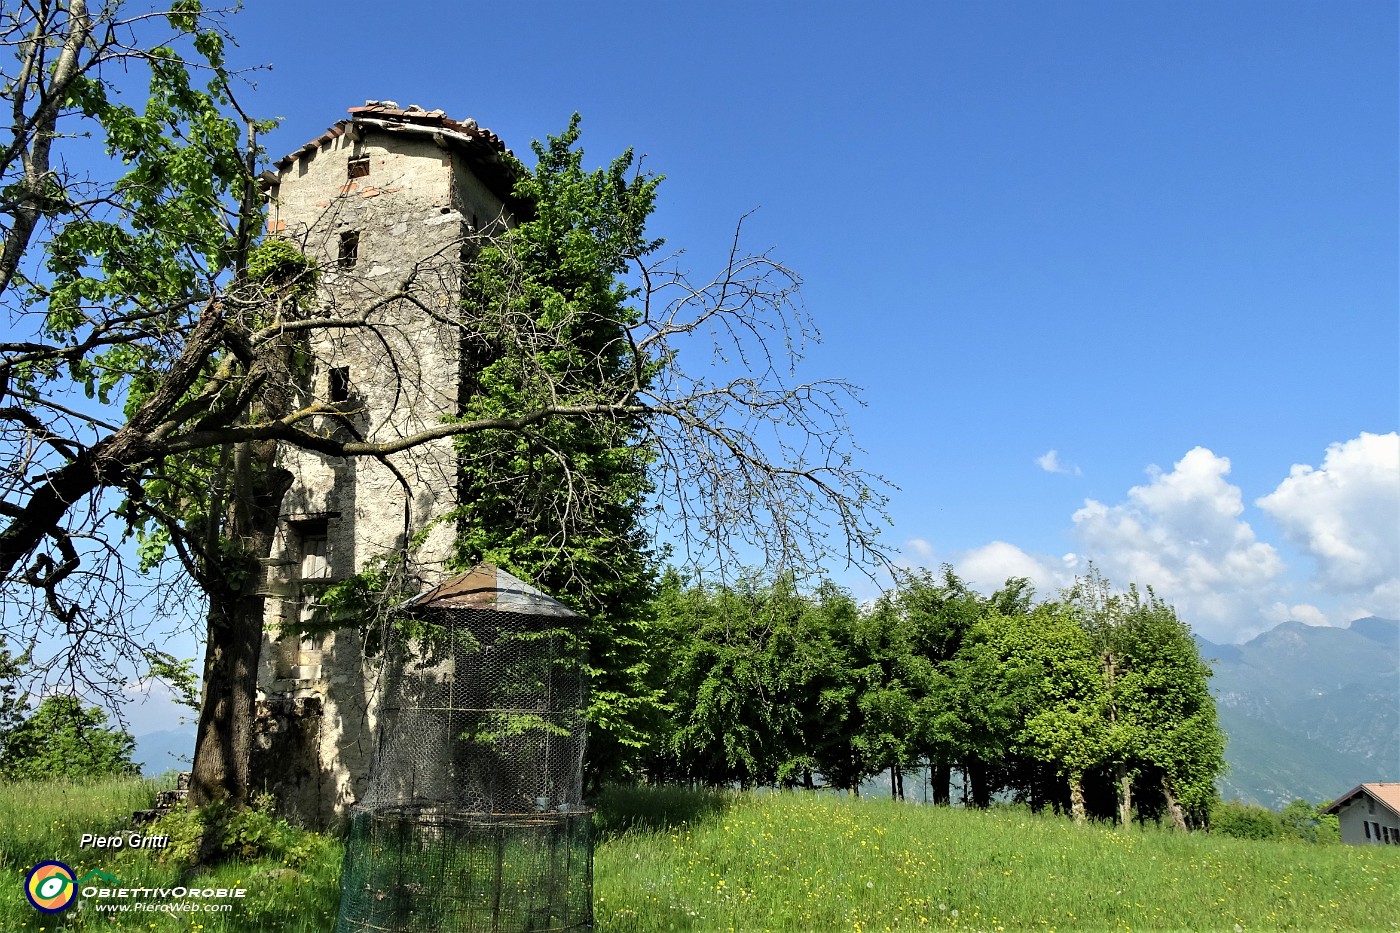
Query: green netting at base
{"x": 472, "y": 819}
{"x": 413, "y": 869}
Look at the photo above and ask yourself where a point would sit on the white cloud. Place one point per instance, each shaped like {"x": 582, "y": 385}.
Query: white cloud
{"x": 1346, "y": 516}
{"x": 1306, "y": 613}
{"x": 1050, "y": 463}
{"x": 919, "y": 549}
{"x": 1182, "y": 534}
{"x": 987, "y": 568}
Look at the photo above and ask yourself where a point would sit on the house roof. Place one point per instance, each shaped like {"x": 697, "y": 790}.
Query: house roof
{"x": 1386, "y": 793}
{"x": 488, "y": 587}
{"x": 483, "y": 151}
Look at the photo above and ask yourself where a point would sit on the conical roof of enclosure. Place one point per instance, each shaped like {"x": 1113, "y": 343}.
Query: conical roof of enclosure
{"x": 489, "y": 588}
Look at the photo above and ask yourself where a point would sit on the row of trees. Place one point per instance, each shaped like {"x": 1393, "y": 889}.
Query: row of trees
{"x": 1095, "y": 703}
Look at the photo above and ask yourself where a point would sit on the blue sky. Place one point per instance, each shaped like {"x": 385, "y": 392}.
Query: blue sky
{"x": 1149, "y": 237}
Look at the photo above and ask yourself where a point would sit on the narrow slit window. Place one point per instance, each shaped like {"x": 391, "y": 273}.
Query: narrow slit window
{"x": 315, "y": 556}
{"x": 357, "y": 168}
{"x": 340, "y": 384}
{"x": 349, "y": 249}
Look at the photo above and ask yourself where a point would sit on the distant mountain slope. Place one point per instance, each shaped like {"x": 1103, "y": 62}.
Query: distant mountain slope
{"x": 1270, "y": 765}
{"x": 166, "y": 750}
{"x": 1310, "y": 711}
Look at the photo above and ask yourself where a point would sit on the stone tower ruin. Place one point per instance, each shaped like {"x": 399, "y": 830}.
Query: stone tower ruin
{"x": 385, "y": 202}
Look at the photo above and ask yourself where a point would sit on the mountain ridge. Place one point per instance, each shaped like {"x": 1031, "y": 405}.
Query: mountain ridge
{"x": 1308, "y": 711}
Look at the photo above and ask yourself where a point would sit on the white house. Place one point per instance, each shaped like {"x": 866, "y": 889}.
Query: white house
{"x": 1369, "y": 814}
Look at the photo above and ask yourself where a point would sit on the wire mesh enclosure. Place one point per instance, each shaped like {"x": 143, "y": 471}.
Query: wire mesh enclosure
{"x": 473, "y": 819}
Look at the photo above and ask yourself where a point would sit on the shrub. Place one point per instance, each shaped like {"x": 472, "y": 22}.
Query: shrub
{"x": 219, "y": 831}
{"x": 1245, "y": 821}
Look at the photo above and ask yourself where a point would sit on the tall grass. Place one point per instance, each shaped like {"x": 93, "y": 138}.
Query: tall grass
{"x": 677, "y": 860}
{"x": 44, "y": 821}
{"x": 798, "y": 862}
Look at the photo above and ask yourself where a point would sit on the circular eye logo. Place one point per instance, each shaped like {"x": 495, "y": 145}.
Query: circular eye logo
{"x": 50, "y": 887}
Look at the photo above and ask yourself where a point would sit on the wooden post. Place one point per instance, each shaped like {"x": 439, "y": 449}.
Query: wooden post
{"x": 500, "y": 838}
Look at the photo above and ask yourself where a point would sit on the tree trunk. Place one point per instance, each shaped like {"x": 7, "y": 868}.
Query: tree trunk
{"x": 941, "y": 776}
{"x": 981, "y": 786}
{"x": 1125, "y": 797}
{"x": 220, "y": 770}
{"x": 1173, "y": 805}
{"x": 234, "y": 575}
{"x": 1076, "y": 797}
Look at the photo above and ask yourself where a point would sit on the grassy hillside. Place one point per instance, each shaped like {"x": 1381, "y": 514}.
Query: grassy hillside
{"x": 804, "y": 862}
{"x": 671, "y": 860}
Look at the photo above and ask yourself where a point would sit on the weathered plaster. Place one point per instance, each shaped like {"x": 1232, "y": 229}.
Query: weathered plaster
{"x": 318, "y": 700}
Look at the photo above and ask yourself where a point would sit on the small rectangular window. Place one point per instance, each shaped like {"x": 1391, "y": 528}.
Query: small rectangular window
{"x": 340, "y": 384}
{"x": 315, "y": 563}
{"x": 357, "y": 168}
{"x": 310, "y": 548}
{"x": 349, "y": 249}
{"x": 1366, "y": 824}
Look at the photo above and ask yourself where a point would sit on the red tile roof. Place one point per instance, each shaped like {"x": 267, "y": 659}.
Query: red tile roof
{"x": 1386, "y": 792}
{"x": 484, "y": 151}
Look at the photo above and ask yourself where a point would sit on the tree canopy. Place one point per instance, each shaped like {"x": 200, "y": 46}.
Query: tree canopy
{"x": 768, "y": 685}
{"x": 64, "y": 738}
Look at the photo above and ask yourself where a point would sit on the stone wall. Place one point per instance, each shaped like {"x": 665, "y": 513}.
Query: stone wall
{"x": 384, "y": 214}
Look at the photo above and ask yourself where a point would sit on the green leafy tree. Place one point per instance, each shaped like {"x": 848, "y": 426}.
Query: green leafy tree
{"x": 562, "y": 502}
{"x": 1245, "y": 821}
{"x": 756, "y": 685}
{"x": 822, "y": 683}
{"x": 1039, "y": 694}
{"x": 1180, "y": 747}
{"x": 1101, "y": 613}
{"x": 62, "y": 738}
{"x": 101, "y": 274}
{"x": 13, "y": 700}
{"x": 893, "y": 682}
{"x": 1161, "y": 723}
{"x": 1309, "y": 823}
{"x": 937, "y": 612}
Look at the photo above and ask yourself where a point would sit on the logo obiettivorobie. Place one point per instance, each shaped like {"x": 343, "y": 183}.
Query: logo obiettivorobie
{"x": 51, "y": 887}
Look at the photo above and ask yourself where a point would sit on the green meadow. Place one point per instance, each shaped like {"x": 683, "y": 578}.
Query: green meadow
{"x": 687, "y": 861}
